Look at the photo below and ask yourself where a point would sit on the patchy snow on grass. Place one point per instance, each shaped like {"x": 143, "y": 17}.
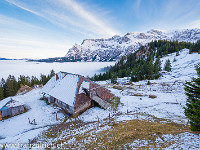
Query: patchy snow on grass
{"x": 186, "y": 141}
{"x": 135, "y": 103}
{"x": 94, "y": 114}
{"x": 184, "y": 66}
{"x": 168, "y": 89}
{"x": 18, "y": 129}
{"x": 167, "y": 105}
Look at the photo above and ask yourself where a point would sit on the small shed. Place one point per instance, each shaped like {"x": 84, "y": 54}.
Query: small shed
{"x": 75, "y": 94}
{"x": 10, "y": 107}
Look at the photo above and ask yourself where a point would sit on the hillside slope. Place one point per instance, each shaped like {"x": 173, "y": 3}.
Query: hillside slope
{"x": 139, "y": 121}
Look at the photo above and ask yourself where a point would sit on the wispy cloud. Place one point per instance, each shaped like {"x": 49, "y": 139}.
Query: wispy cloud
{"x": 192, "y": 25}
{"x": 10, "y": 23}
{"x": 31, "y": 48}
{"x": 18, "y": 4}
{"x": 33, "y": 39}
{"x": 169, "y": 14}
{"x": 97, "y": 24}
{"x": 136, "y": 7}
{"x": 181, "y": 11}
{"x": 19, "y": 39}
{"x": 70, "y": 14}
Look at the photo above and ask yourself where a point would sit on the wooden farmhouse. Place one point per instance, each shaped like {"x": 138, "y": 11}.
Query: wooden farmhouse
{"x": 75, "y": 94}
{"x": 9, "y": 108}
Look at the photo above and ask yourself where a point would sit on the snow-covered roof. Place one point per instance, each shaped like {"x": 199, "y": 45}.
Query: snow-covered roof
{"x": 14, "y": 104}
{"x": 84, "y": 85}
{"x": 65, "y": 89}
{"x": 53, "y": 82}
{"x": 4, "y": 102}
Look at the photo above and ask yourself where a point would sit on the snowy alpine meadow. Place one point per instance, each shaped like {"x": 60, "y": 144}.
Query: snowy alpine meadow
{"x": 159, "y": 105}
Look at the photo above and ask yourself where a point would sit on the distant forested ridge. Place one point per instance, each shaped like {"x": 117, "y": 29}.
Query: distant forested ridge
{"x": 10, "y": 86}
{"x": 56, "y": 59}
{"x": 63, "y": 59}
{"x": 145, "y": 62}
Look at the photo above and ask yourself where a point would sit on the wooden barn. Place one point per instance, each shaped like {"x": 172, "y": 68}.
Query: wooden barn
{"x": 10, "y": 107}
{"x": 75, "y": 94}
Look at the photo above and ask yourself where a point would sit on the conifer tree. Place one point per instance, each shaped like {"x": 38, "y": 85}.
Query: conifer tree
{"x": 196, "y": 47}
{"x": 133, "y": 75}
{"x": 1, "y": 93}
{"x": 11, "y": 86}
{"x": 52, "y": 73}
{"x": 22, "y": 80}
{"x": 28, "y": 81}
{"x": 167, "y": 66}
{"x": 43, "y": 79}
{"x": 120, "y": 74}
{"x": 114, "y": 78}
{"x": 34, "y": 81}
{"x": 109, "y": 76}
{"x": 157, "y": 68}
{"x": 2, "y": 85}
{"x": 149, "y": 71}
{"x": 192, "y": 109}
{"x": 95, "y": 78}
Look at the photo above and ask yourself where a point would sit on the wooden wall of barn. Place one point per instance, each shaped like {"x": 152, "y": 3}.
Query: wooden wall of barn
{"x": 18, "y": 110}
{"x": 81, "y": 99}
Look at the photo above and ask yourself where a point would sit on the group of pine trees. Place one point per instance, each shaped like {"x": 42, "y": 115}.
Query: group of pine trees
{"x": 144, "y": 63}
{"x": 11, "y": 85}
{"x": 167, "y": 66}
{"x": 195, "y": 47}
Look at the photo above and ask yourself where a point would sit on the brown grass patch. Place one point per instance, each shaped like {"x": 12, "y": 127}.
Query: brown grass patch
{"x": 122, "y": 134}
{"x": 24, "y": 89}
{"x": 138, "y": 94}
{"x": 118, "y": 87}
{"x": 152, "y": 96}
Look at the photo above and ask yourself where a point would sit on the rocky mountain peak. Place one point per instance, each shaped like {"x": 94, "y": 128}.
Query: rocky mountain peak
{"x": 117, "y": 46}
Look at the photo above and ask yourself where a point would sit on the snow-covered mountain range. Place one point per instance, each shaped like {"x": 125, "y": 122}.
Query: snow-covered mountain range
{"x": 118, "y": 46}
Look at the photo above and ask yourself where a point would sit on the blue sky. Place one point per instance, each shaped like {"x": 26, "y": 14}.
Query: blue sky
{"x": 48, "y": 28}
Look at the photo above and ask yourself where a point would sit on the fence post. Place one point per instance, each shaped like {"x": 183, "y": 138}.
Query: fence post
{"x": 29, "y": 121}
{"x": 127, "y": 107}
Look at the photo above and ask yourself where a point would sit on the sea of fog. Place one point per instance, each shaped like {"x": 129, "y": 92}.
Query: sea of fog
{"x": 21, "y": 67}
